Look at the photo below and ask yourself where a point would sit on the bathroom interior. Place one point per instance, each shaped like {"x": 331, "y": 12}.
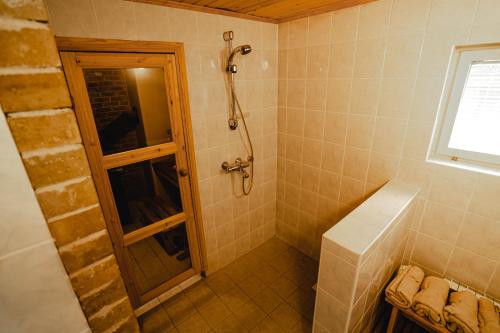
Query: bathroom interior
{"x": 250, "y": 166}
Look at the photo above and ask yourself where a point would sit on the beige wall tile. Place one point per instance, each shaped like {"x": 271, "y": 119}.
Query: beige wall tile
{"x": 441, "y": 222}
{"x": 470, "y": 268}
{"x": 342, "y": 59}
{"x": 345, "y": 25}
{"x": 355, "y": 163}
{"x": 360, "y": 131}
{"x": 335, "y": 128}
{"x": 317, "y": 62}
{"x": 431, "y": 253}
{"x": 338, "y": 95}
{"x": 486, "y": 197}
{"x": 315, "y": 94}
{"x": 389, "y": 135}
{"x": 369, "y": 57}
{"x": 297, "y": 36}
{"x": 437, "y": 49}
{"x": 382, "y": 168}
{"x": 447, "y": 14}
{"x": 409, "y": 16}
{"x": 336, "y": 277}
{"x": 452, "y": 187}
{"x": 395, "y": 98}
{"x": 332, "y": 157}
{"x": 494, "y": 288}
{"x": 370, "y": 90}
{"x": 374, "y": 19}
{"x": 480, "y": 235}
{"x": 320, "y": 27}
{"x": 313, "y": 125}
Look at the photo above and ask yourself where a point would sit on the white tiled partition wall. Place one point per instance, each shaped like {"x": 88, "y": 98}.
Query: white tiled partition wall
{"x": 233, "y": 223}
{"x": 35, "y": 289}
{"x": 358, "y": 90}
{"x": 358, "y": 257}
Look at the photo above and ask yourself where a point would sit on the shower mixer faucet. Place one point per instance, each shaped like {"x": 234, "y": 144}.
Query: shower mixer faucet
{"x": 238, "y": 166}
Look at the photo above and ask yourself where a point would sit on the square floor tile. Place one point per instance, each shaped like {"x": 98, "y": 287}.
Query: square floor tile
{"x": 250, "y": 315}
{"x": 267, "y": 300}
{"x": 285, "y": 316}
{"x": 194, "y": 324}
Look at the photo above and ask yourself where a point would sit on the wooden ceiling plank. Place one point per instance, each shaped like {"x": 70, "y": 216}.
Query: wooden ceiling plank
{"x": 187, "y": 6}
{"x": 273, "y": 11}
{"x": 323, "y": 9}
{"x": 249, "y": 6}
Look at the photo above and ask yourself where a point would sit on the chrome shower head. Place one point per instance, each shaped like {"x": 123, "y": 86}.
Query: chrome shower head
{"x": 243, "y": 49}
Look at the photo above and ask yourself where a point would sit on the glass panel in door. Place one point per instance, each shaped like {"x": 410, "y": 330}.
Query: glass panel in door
{"x": 146, "y": 192}
{"x": 129, "y": 106}
{"x": 159, "y": 258}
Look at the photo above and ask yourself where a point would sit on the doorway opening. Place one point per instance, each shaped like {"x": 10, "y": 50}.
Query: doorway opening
{"x": 132, "y": 108}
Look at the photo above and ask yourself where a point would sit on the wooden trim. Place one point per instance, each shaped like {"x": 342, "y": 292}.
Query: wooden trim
{"x": 120, "y": 60}
{"x": 189, "y": 137}
{"x": 78, "y": 44}
{"x": 167, "y": 285}
{"x": 138, "y": 155}
{"x": 203, "y": 9}
{"x": 165, "y": 224}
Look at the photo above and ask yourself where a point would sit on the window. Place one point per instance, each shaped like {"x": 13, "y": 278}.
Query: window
{"x": 467, "y": 130}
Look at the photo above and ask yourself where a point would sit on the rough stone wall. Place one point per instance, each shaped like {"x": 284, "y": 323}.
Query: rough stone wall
{"x": 35, "y": 98}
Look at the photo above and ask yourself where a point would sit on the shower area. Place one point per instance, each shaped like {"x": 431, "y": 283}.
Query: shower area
{"x": 239, "y": 165}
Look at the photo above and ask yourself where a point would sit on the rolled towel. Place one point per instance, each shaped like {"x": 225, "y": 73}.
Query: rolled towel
{"x": 489, "y": 319}
{"x": 405, "y": 286}
{"x": 430, "y": 301}
{"x": 461, "y": 313}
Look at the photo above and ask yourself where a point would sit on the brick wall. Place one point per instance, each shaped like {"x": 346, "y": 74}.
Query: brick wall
{"x": 34, "y": 96}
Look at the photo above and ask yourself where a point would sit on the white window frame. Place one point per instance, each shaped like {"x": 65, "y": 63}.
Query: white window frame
{"x": 458, "y": 71}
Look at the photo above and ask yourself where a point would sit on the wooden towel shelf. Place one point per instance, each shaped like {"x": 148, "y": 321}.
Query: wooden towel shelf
{"x": 411, "y": 315}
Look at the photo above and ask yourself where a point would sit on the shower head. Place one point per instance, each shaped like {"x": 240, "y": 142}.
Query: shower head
{"x": 243, "y": 49}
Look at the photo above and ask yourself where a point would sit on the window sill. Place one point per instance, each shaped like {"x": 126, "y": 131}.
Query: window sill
{"x": 464, "y": 165}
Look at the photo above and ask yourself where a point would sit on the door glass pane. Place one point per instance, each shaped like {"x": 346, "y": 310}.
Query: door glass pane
{"x": 146, "y": 192}
{"x": 130, "y": 107}
{"x": 159, "y": 258}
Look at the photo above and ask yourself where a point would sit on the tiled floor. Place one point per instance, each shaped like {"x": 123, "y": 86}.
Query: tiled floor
{"x": 267, "y": 290}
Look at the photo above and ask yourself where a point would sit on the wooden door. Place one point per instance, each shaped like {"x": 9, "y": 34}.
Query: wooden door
{"x": 134, "y": 126}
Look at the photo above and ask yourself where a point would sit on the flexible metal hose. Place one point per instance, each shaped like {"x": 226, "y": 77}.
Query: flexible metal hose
{"x": 236, "y": 102}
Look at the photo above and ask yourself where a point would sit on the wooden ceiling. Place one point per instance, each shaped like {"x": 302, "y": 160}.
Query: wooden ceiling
{"x": 274, "y": 11}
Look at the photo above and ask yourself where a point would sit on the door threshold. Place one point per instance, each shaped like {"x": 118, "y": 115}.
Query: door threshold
{"x": 167, "y": 295}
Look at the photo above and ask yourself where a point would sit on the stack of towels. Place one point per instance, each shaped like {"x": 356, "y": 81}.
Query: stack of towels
{"x": 429, "y": 297}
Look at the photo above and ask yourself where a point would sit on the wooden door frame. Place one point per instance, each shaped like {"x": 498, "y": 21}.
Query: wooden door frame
{"x": 70, "y": 44}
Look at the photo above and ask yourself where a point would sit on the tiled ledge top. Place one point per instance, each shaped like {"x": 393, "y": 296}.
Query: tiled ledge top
{"x": 355, "y": 233}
